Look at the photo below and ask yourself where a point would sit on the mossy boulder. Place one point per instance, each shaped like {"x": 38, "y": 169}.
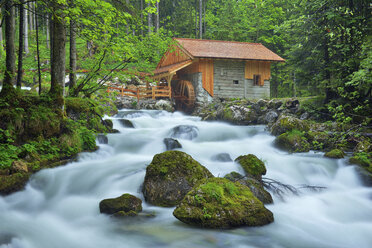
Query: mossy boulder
{"x": 220, "y": 203}
{"x": 252, "y": 166}
{"x": 125, "y": 205}
{"x": 239, "y": 115}
{"x": 254, "y": 185}
{"x": 292, "y": 141}
{"x": 170, "y": 176}
{"x": 287, "y": 123}
{"x": 335, "y": 153}
{"x": 12, "y": 183}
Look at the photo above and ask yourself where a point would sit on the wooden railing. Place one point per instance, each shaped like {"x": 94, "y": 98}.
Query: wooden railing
{"x": 142, "y": 92}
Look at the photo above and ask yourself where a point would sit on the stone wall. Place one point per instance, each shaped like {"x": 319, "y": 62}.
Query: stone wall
{"x": 201, "y": 94}
{"x": 230, "y": 82}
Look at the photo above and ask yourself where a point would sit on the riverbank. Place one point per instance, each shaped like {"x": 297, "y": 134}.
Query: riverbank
{"x": 35, "y": 135}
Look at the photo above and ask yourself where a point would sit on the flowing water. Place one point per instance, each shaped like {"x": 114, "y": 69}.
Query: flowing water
{"x": 59, "y": 207}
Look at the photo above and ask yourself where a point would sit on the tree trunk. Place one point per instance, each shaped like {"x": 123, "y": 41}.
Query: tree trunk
{"x": 47, "y": 31}
{"x": 127, "y": 2}
{"x": 1, "y": 34}
{"x": 149, "y": 20}
{"x": 31, "y": 21}
{"x": 38, "y": 55}
{"x": 9, "y": 75}
{"x": 27, "y": 49}
{"x": 58, "y": 59}
{"x": 157, "y": 17}
{"x": 196, "y": 19}
{"x": 72, "y": 56}
{"x": 141, "y": 18}
{"x": 201, "y": 19}
{"x": 21, "y": 44}
{"x": 205, "y": 23}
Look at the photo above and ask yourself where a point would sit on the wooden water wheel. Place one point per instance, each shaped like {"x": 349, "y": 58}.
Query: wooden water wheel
{"x": 184, "y": 95}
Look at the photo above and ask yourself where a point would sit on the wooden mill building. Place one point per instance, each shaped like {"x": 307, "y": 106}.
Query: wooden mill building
{"x": 208, "y": 69}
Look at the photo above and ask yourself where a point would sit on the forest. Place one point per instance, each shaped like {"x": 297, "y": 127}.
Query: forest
{"x": 326, "y": 44}
{"x": 295, "y": 164}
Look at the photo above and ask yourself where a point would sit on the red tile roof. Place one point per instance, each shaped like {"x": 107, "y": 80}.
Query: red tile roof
{"x": 228, "y": 50}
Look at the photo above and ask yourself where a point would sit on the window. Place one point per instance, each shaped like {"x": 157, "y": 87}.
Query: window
{"x": 257, "y": 80}
{"x": 236, "y": 81}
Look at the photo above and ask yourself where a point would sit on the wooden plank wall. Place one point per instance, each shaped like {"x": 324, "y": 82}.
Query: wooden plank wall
{"x": 257, "y": 68}
{"x": 206, "y": 68}
{"x": 173, "y": 56}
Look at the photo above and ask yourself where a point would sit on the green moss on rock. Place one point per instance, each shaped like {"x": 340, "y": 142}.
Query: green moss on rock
{"x": 219, "y": 203}
{"x": 287, "y": 123}
{"x": 292, "y": 141}
{"x": 252, "y": 166}
{"x": 126, "y": 203}
{"x": 12, "y": 183}
{"x": 335, "y": 153}
{"x": 170, "y": 176}
{"x": 254, "y": 185}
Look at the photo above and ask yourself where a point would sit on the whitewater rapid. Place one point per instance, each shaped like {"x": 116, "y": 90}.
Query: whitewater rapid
{"x": 59, "y": 207}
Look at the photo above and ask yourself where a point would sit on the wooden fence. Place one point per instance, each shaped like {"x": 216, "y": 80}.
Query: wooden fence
{"x": 142, "y": 92}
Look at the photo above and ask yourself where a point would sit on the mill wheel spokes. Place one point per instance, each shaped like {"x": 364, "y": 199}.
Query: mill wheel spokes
{"x": 184, "y": 96}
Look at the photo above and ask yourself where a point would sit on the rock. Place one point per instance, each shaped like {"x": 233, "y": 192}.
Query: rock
{"x": 126, "y": 203}
{"x": 102, "y": 139}
{"x": 304, "y": 116}
{"x": 252, "y": 166}
{"x": 292, "y": 104}
{"x": 234, "y": 176}
{"x": 239, "y": 115}
{"x": 363, "y": 146}
{"x": 108, "y": 123}
{"x": 274, "y": 104}
{"x": 335, "y": 153}
{"x": 219, "y": 203}
{"x": 185, "y": 132}
{"x": 222, "y": 157}
{"x": 18, "y": 166}
{"x": 269, "y": 117}
{"x": 171, "y": 144}
{"x": 170, "y": 176}
{"x": 254, "y": 185}
{"x": 262, "y": 103}
{"x": 293, "y": 141}
{"x": 126, "y": 123}
{"x": 164, "y": 105}
{"x": 12, "y": 183}
{"x": 286, "y": 123}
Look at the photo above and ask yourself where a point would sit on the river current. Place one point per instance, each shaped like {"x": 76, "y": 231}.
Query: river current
{"x": 59, "y": 207}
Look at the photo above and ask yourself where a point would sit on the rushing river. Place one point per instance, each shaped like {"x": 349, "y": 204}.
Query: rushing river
{"x": 59, "y": 207}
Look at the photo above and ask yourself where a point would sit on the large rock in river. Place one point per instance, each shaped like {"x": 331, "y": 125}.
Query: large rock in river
{"x": 254, "y": 185}
{"x": 123, "y": 205}
{"x": 292, "y": 141}
{"x": 287, "y": 123}
{"x": 185, "y": 132}
{"x": 219, "y": 203}
{"x": 170, "y": 176}
{"x": 252, "y": 166}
